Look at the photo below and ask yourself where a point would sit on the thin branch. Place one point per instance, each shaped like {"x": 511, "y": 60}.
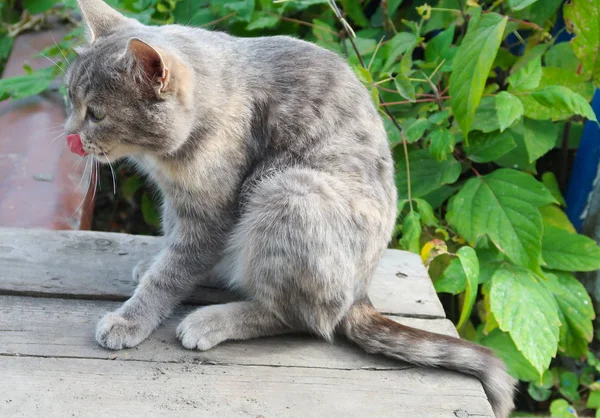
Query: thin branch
{"x": 214, "y": 22}
{"x": 431, "y": 100}
{"x": 302, "y": 22}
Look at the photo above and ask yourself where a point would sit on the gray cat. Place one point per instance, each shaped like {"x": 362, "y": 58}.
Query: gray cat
{"x": 276, "y": 176}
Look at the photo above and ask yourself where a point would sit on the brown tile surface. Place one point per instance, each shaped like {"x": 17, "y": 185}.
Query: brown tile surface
{"x": 39, "y": 177}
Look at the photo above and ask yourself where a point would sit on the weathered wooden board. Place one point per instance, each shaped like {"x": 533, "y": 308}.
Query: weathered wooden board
{"x": 52, "y": 387}
{"x": 65, "y": 328}
{"x": 54, "y": 287}
{"x": 97, "y": 265}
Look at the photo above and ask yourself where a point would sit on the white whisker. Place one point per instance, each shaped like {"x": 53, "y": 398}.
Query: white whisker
{"x": 59, "y": 48}
{"x": 112, "y": 171}
{"x": 96, "y": 176}
{"x": 57, "y": 136}
{"x": 41, "y": 54}
{"x": 86, "y": 190}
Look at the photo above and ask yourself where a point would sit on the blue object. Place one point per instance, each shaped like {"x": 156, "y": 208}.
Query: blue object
{"x": 585, "y": 169}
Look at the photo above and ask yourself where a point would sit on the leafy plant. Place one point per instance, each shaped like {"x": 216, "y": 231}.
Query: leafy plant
{"x": 476, "y": 97}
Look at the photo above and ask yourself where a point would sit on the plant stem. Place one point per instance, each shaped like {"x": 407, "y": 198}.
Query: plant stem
{"x": 302, "y": 22}
{"x": 214, "y": 22}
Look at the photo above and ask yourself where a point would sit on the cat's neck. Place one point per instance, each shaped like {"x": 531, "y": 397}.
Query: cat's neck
{"x": 206, "y": 168}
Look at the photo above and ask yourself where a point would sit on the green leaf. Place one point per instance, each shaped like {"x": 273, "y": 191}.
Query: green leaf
{"x": 559, "y": 408}
{"x": 441, "y": 143}
{"x": 244, "y": 9}
{"x": 411, "y": 232}
{"x": 502, "y": 205}
{"x": 528, "y": 77}
{"x": 549, "y": 180}
{"x": 38, "y": 6}
{"x": 426, "y": 173}
{"x": 510, "y": 109}
{"x": 526, "y": 310}
{"x": 440, "y": 48}
{"x": 575, "y": 311}
{"x": 504, "y": 347}
{"x": 363, "y": 74}
{"x": 405, "y": 87}
{"x": 520, "y": 4}
{"x": 540, "y": 137}
{"x": 583, "y": 19}
{"x": 552, "y": 215}
{"x": 440, "y": 118}
{"x": 568, "y": 385}
{"x": 563, "y": 99}
{"x": 593, "y": 401}
{"x": 561, "y": 56}
{"x": 353, "y": 9}
{"x": 475, "y": 57}
{"x": 263, "y": 22}
{"x": 437, "y": 197}
{"x": 484, "y": 148}
{"x": 563, "y": 250}
{"x": 394, "y": 136}
{"x": 151, "y": 216}
{"x": 452, "y": 279}
{"x": 416, "y": 129}
{"x": 486, "y": 116}
{"x": 28, "y": 85}
{"x": 6, "y": 44}
{"x": 470, "y": 264}
{"x": 518, "y": 157}
{"x": 540, "y": 12}
{"x": 426, "y": 212}
{"x": 131, "y": 186}
{"x": 538, "y": 393}
{"x": 552, "y": 77}
{"x": 440, "y": 44}
{"x": 397, "y": 46}
{"x": 393, "y": 6}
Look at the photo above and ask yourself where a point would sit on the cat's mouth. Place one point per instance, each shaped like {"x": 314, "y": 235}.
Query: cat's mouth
{"x": 75, "y": 145}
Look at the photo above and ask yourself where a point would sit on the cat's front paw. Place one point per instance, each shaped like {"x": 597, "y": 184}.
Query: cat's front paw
{"x": 115, "y": 332}
{"x": 202, "y": 330}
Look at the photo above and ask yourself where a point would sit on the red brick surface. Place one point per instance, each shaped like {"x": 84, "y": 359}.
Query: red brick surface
{"x": 39, "y": 177}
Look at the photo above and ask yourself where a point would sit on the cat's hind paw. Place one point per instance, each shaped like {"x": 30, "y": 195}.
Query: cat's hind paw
{"x": 202, "y": 330}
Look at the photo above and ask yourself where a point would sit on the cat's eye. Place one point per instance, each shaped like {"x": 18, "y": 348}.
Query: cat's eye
{"x": 95, "y": 115}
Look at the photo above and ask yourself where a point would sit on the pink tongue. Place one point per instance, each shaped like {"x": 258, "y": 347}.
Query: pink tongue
{"x": 75, "y": 145}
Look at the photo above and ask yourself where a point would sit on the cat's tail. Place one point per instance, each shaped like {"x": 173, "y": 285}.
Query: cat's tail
{"x": 377, "y": 334}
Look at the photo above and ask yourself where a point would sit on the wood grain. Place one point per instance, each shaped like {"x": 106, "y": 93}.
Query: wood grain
{"x": 54, "y": 387}
{"x": 98, "y": 265}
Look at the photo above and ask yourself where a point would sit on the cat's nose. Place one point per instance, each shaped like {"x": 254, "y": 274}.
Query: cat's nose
{"x": 75, "y": 145}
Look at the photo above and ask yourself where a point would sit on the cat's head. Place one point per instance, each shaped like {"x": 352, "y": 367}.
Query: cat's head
{"x": 129, "y": 91}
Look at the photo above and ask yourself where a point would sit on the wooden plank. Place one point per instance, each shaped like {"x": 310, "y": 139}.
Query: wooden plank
{"x": 65, "y": 328}
{"x": 98, "y": 265}
{"x": 52, "y": 387}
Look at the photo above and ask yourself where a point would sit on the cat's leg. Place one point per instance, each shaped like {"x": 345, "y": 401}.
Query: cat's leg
{"x": 302, "y": 251}
{"x": 211, "y": 325}
{"x": 171, "y": 277}
{"x": 140, "y": 269}
{"x": 168, "y": 225}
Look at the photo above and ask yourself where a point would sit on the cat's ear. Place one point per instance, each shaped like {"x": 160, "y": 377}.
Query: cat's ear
{"x": 149, "y": 65}
{"x": 101, "y": 19}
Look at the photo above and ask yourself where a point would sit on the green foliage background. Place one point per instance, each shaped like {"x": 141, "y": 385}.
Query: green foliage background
{"x": 475, "y": 131}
